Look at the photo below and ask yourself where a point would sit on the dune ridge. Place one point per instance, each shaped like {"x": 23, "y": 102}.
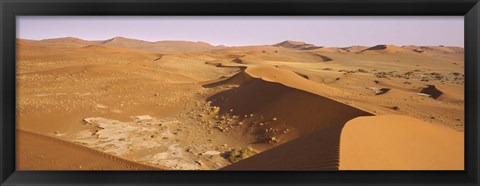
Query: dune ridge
{"x": 387, "y": 142}
{"x": 320, "y": 149}
{"x": 284, "y": 101}
{"x": 297, "y": 45}
{"x": 386, "y": 49}
{"x": 157, "y": 46}
{"x": 41, "y": 147}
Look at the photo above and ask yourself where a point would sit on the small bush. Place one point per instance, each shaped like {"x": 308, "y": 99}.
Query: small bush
{"x": 362, "y": 70}
{"x": 238, "y": 154}
{"x": 395, "y": 107}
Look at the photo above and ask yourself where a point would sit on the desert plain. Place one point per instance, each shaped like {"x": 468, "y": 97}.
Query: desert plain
{"x": 127, "y": 104}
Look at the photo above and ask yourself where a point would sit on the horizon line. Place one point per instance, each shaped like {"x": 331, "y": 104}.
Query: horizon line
{"x": 64, "y": 37}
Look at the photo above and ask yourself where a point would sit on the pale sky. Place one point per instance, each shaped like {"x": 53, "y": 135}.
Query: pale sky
{"x": 330, "y": 31}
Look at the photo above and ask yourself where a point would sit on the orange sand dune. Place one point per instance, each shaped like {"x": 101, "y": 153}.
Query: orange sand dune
{"x": 158, "y": 46}
{"x": 319, "y": 149}
{"x": 65, "y": 41}
{"x": 388, "y": 142}
{"x": 281, "y": 99}
{"x": 297, "y": 45}
{"x": 434, "y": 49}
{"x": 34, "y": 51}
{"x": 330, "y": 50}
{"x": 393, "y": 142}
{"x": 298, "y": 105}
{"x": 354, "y": 48}
{"x": 35, "y": 152}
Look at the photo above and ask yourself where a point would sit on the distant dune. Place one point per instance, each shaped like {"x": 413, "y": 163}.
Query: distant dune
{"x": 66, "y": 41}
{"x": 435, "y": 49}
{"x": 354, "y": 48}
{"x": 159, "y": 46}
{"x": 297, "y": 45}
{"x": 386, "y": 49}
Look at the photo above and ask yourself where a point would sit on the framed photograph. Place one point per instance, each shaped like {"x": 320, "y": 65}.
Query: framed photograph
{"x": 239, "y": 93}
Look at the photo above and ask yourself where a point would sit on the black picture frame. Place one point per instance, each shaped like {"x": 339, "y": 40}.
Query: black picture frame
{"x": 470, "y": 9}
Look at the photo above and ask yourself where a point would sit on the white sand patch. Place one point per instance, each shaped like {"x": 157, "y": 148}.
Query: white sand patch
{"x": 146, "y": 139}
{"x": 142, "y": 118}
{"x": 422, "y": 94}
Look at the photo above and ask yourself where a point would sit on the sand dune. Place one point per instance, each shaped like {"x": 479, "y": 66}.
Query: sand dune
{"x": 389, "y": 142}
{"x": 354, "y": 48}
{"x": 66, "y": 41}
{"x": 40, "y": 152}
{"x": 158, "y": 46}
{"x": 330, "y": 50}
{"x": 434, "y": 49}
{"x": 296, "y": 45}
{"x": 393, "y": 142}
{"x": 386, "y": 49}
{"x": 267, "y": 92}
{"x": 320, "y": 149}
{"x": 297, "y": 105}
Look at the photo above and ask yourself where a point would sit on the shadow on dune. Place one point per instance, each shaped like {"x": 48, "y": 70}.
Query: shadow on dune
{"x": 377, "y": 47}
{"x": 383, "y": 91}
{"x": 316, "y": 151}
{"x": 324, "y": 58}
{"x": 315, "y": 123}
{"x": 432, "y": 91}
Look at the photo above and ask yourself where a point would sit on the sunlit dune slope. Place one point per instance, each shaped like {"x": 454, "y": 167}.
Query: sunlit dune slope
{"x": 319, "y": 149}
{"x": 388, "y": 142}
{"x": 282, "y": 100}
{"x": 37, "y": 151}
{"x": 393, "y": 142}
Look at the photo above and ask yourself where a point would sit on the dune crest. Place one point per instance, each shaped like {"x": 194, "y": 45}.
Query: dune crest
{"x": 386, "y": 49}
{"x": 280, "y": 104}
{"x": 297, "y": 45}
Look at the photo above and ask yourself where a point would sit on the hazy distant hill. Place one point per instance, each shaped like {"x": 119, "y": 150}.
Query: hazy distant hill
{"x": 190, "y": 46}
{"x": 296, "y": 45}
{"x": 159, "y": 46}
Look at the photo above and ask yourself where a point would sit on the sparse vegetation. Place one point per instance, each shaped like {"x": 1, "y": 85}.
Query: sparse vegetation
{"x": 238, "y": 154}
{"x": 396, "y": 107}
{"x": 362, "y": 70}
